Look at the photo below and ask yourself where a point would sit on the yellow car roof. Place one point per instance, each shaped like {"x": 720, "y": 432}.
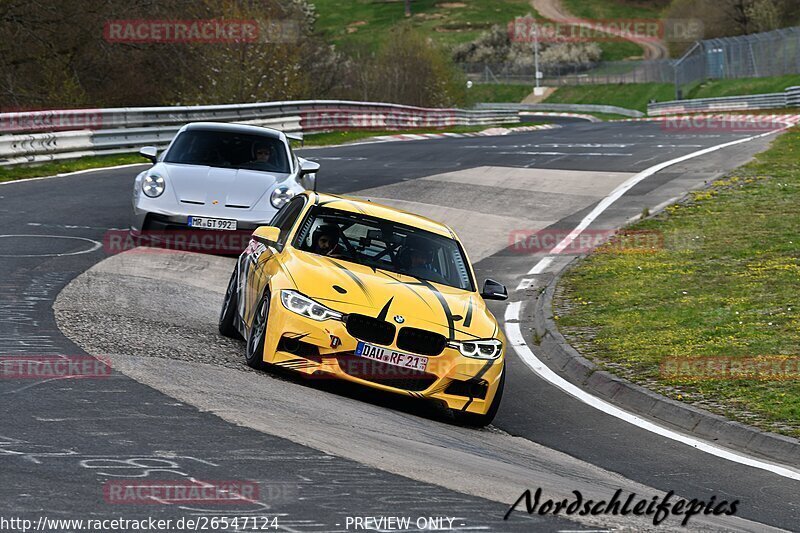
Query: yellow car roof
{"x": 355, "y": 205}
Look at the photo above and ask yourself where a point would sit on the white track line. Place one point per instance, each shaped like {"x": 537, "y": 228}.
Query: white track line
{"x": 65, "y": 174}
{"x": 541, "y": 265}
{"x": 517, "y": 341}
{"x": 635, "y": 179}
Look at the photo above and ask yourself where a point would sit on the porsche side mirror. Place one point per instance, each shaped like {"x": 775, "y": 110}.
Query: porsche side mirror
{"x": 149, "y": 152}
{"x": 267, "y": 235}
{"x": 493, "y": 290}
{"x": 308, "y": 167}
{"x": 308, "y": 174}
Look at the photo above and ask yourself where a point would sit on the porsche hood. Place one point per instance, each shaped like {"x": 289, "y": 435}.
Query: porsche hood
{"x": 229, "y": 186}
{"x": 353, "y": 288}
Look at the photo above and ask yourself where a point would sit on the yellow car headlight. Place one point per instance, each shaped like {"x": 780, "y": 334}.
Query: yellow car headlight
{"x": 304, "y": 306}
{"x": 479, "y": 349}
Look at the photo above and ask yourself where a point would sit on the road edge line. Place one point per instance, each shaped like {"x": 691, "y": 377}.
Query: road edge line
{"x": 584, "y": 369}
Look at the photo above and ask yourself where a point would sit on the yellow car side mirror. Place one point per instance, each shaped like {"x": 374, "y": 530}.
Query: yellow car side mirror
{"x": 267, "y": 235}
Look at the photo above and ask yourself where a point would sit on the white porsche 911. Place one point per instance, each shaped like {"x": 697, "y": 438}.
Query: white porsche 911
{"x": 217, "y": 176}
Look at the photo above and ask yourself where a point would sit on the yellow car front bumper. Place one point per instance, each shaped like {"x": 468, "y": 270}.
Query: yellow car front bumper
{"x": 326, "y": 350}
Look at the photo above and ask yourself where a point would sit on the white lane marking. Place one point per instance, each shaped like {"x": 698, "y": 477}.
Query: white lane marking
{"x": 534, "y": 363}
{"x": 95, "y": 245}
{"x": 581, "y": 145}
{"x": 517, "y": 342}
{"x": 635, "y": 179}
{"x": 525, "y": 284}
{"x": 321, "y": 158}
{"x": 543, "y": 263}
{"x": 65, "y": 174}
{"x": 71, "y": 226}
{"x": 590, "y": 154}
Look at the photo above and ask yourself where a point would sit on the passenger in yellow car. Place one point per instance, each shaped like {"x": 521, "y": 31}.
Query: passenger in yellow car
{"x": 326, "y": 240}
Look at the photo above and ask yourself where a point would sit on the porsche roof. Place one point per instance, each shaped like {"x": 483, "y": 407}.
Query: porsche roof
{"x": 356, "y": 205}
{"x": 239, "y": 128}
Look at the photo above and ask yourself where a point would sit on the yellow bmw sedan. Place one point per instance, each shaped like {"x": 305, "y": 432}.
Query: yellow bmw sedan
{"x": 343, "y": 288}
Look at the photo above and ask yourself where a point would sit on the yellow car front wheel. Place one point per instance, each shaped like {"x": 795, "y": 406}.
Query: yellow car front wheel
{"x": 228, "y": 313}
{"x": 255, "y": 342}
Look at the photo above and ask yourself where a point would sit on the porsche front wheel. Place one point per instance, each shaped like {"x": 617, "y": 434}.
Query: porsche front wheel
{"x": 255, "y": 342}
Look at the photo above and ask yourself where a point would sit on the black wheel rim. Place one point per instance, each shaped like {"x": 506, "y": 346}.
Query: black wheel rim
{"x": 259, "y": 326}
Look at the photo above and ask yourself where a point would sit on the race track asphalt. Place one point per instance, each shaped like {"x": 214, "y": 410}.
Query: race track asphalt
{"x": 62, "y": 440}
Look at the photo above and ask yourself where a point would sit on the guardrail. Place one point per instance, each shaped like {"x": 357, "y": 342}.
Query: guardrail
{"x": 789, "y": 98}
{"x": 33, "y": 136}
{"x": 573, "y": 108}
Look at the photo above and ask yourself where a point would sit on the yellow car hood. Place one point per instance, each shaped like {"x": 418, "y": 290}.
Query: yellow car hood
{"x": 352, "y": 288}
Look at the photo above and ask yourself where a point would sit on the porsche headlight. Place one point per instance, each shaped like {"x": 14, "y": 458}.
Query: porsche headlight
{"x": 153, "y": 185}
{"x": 281, "y": 197}
{"x": 479, "y": 349}
{"x": 305, "y": 306}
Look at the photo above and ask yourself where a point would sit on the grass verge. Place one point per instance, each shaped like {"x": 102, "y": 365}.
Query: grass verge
{"x": 18, "y": 172}
{"x": 616, "y": 9}
{"x": 628, "y": 95}
{"x": 714, "y": 88}
{"x": 363, "y": 23}
{"x": 724, "y": 286}
{"x": 637, "y": 95}
{"x": 498, "y": 92}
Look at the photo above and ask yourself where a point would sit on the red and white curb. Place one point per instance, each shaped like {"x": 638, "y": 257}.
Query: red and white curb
{"x": 483, "y": 133}
{"x": 590, "y": 118}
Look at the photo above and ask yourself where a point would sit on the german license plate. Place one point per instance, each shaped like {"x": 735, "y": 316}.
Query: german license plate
{"x": 387, "y": 355}
{"x": 212, "y": 223}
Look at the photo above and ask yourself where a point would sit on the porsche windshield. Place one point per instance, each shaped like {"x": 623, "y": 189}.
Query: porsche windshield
{"x": 383, "y": 244}
{"x": 229, "y": 149}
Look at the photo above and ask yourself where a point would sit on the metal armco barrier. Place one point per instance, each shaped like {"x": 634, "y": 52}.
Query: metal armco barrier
{"x": 789, "y": 98}
{"x": 793, "y": 97}
{"x": 33, "y": 136}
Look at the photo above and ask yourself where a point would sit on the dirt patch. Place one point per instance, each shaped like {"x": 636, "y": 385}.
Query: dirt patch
{"x": 535, "y": 99}
{"x": 429, "y": 16}
{"x": 451, "y": 5}
{"x": 463, "y": 26}
{"x": 353, "y": 26}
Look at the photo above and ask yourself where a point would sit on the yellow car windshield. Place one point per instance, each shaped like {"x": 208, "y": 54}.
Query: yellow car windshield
{"x": 386, "y": 245}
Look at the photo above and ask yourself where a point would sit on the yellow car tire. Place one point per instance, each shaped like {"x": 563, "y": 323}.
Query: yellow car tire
{"x": 228, "y": 313}
{"x": 255, "y": 342}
